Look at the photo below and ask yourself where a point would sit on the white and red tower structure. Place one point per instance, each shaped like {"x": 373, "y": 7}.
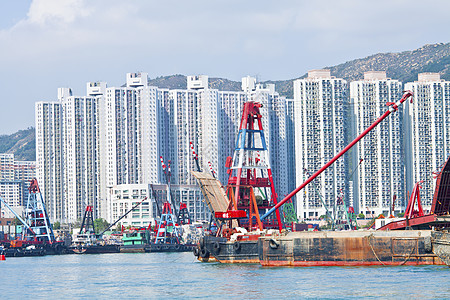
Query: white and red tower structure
{"x": 250, "y": 188}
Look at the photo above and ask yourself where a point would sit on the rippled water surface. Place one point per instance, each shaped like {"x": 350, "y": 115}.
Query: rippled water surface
{"x": 179, "y": 275}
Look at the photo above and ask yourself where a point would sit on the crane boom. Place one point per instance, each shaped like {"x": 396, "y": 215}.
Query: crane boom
{"x": 392, "y": 107}
{"x": 123, "y": 216}
{"x": 17, "y": 216}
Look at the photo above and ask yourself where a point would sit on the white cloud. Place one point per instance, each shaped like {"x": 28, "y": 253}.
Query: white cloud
{"x": 57, "y": 12}
{"x": 70, "y": 42}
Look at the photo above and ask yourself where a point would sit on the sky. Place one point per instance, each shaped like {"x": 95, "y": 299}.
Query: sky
{"x": 47, "y": 44}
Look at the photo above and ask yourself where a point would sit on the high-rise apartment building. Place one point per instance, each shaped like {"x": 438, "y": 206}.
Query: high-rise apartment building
{"x": 114, "y": 136}
{"x": 131, "y": 147}
{"x": 290, "y": 150}
{"x": 6, "y": 167}
{"x": 378, "y": 166}
{"x": 427, "y": 128}
{"x": 319, "y": 136}
{"x": 184, "y": 127}
{"x": 81, "y": 164}
{"x": 67, "y": 157}
{"x": 49, "y": 156}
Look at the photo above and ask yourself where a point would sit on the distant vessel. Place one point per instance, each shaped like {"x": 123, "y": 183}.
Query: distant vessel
{"x": 140, "y": 242}
{"x": 135, "y": 242}
{"x": 441, "y": 245}
{"x": 87, "y": 243}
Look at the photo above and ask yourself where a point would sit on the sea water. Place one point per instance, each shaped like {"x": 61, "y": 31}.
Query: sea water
{"x": 180, "y": 276}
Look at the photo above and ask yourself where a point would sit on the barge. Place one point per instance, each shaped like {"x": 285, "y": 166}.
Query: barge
{"x": 328, "y": 248}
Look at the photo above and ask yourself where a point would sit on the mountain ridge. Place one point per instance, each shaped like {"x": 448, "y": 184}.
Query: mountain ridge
{"x": 403, "y": 66}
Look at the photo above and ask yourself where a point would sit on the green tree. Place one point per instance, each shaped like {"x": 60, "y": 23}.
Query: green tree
{"x": 100, "y": 224}
{"x": 361, "y": 216}
{"x": 57, "y": 225}
{"x": 17, "y": 221}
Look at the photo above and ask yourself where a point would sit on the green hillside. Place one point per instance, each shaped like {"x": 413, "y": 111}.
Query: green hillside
{"x": 22, "y": 144}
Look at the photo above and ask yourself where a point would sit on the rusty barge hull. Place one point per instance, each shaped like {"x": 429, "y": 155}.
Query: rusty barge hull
{"x": 230, "y": 252}
{"x": 441, "y": 245}
{"x": 348, "y": 248}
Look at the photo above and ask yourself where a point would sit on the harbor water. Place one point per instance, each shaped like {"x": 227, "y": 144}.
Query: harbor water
{"x": 180, "y": 276}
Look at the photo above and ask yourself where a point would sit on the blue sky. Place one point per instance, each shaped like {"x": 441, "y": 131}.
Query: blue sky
{"x": 46, "y": 44}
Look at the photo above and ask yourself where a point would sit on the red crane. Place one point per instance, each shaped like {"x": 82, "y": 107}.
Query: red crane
{"x": 250, "y": 168}
{"x": 392, "y": 107}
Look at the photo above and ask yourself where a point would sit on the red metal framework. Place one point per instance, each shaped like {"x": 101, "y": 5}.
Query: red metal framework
{"x": 250, "y": 186}
{"x": 439, "y": 215}
{"x": 415, "y": 197}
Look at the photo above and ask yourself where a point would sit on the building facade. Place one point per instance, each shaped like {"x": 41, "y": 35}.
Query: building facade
{"x": 49, "y": 157}
{"x": 80, "y": 125}
{"x": 123, "y": 198}
{"x": 427, "y": 128}
{"x": 15, "y": 177}
{"x": 378, "y": 165}
{"x": 319, "y": 136}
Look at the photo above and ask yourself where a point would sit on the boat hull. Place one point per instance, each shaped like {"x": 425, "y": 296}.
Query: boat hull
{"x": 348, "y": 248}
{"x": 243, "y": 251}
{"x": 171, "y": 247}
{"x": 441, "y": 245}
{"x": 143, "y": 248}
{"x": 95, "y": 249}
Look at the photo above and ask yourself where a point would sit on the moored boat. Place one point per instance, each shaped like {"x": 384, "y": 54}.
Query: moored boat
{"x": 136, "y": 242}
{"x": 95, "y": 249}
{"x": 87, "y": 243}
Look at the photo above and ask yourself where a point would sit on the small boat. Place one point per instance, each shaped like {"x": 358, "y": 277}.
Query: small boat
{"x": 87, "y": 243}
{"x": 136, "y": 242}
{"x": 441, "y": 245}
